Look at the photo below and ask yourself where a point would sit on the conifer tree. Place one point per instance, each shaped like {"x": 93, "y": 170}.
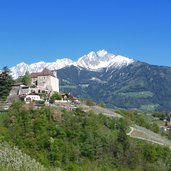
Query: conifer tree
{"x": 5, "y": 82}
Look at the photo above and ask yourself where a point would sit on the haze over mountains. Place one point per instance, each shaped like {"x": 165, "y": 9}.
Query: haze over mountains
{"x": 115, "y": 80}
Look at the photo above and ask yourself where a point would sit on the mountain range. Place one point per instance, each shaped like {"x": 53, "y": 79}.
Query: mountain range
{"x": 92, "y": 61}
{"x": 115, "y": 80}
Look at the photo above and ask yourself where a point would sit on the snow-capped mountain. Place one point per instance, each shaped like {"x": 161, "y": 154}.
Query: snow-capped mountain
{"x": 102, "y": 59}
{"x": 91, "y": 61}
{"x": 21, "y": 68}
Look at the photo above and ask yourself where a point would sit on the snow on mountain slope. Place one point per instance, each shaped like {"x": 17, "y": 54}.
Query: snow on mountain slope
{"x": 21, "y": 68}
{"x": 92, "y": 61}
{"x": 103, "y": 59}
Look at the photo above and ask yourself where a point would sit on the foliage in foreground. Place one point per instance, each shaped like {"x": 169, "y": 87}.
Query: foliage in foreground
{"x": 79, "y": 141}
{"x": 13, "y": 159}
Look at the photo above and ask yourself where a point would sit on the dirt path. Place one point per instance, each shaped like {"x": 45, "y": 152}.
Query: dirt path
{"x": 129, "y": 133}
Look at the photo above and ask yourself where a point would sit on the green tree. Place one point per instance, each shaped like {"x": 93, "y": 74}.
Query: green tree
{"x": 155, "y": 128}
{"x": 26, "y": 79}
{"x": 5, "y": 82}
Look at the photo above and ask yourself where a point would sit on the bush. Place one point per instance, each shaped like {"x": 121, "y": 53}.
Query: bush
{"x": 56, "y": 96}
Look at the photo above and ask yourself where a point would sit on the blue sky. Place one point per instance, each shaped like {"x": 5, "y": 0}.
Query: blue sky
{"x": 46, "y": 30}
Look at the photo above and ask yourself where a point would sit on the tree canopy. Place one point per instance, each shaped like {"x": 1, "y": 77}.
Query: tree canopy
{"x": 26, "y": 79}
{"x": 55, "y": 96}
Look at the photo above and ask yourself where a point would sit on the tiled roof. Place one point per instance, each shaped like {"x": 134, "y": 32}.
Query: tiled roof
{"x": 34, "y": 74}
{"x": 17, "y": 84}
{"x": 45, "y": 72}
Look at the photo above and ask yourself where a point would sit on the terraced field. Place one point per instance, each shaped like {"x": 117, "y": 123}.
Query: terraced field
{"x": 98, "y": 110}
{"x": 145, "y": 134}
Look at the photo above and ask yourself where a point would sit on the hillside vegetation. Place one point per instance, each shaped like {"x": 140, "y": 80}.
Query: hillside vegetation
{"x": 14, "y": 159}
{"x": 79, "y": 141}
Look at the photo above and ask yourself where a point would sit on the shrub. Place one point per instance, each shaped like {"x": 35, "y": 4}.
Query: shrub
{"x": 55, "y": 96}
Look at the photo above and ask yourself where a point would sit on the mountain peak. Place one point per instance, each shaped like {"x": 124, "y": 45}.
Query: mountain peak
{"x": 102, "y": 52}
{"x": 103, "y": 59}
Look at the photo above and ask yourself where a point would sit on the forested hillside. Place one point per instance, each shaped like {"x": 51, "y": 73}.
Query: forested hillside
{"x": 136, "y": 86}
{"x": 79, "y": 141}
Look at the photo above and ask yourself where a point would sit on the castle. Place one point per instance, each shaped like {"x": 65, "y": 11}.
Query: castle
{"x": 45, "y": 81}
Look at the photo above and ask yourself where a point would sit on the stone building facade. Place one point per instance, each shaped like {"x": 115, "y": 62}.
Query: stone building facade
{"x": 44, "y": 82}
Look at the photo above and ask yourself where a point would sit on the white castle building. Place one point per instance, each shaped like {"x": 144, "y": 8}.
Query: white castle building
{"x": 45, "y": 81}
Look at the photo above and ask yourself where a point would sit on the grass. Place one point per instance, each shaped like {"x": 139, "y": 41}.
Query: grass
{"x": 142, "y": 94}
{"x": 159, "y": 122}
{"x": 149, "y": 107}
